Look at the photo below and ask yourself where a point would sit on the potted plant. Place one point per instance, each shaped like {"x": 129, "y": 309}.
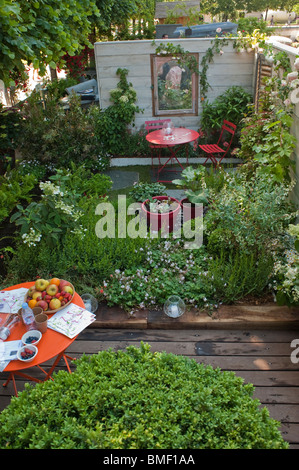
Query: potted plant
{"x": 193, "y": 180}
{"x": 143, "y": 191}
{"x": 161, "y": 212}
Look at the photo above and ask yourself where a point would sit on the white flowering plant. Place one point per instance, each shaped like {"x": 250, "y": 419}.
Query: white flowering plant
{"x": 167, "y": 268}
{"x": 285, "y": 278}
{"x": 51, "y": 217}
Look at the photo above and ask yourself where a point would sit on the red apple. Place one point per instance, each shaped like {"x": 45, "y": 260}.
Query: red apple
{"x": 43, "y": 304}
{"x": 52, "y": 289}
{"x": 54, "y": 304}
{"x": 62, "y": 284}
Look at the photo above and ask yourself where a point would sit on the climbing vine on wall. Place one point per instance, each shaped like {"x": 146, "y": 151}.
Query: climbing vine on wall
{"x": 186, "y": 59}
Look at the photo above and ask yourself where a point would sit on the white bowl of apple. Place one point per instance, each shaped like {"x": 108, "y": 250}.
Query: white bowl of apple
{"x": 51, "y": 295}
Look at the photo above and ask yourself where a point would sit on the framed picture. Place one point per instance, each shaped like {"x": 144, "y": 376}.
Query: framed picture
{"x": 174, "y": 87}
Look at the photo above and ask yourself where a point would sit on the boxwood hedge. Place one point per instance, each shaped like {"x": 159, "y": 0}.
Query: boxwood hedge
{"x": 136, "y": 399}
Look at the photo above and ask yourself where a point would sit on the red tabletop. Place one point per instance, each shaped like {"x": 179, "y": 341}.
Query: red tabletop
{"x": 51, "y": 344}
{"x": 180, "y": 135}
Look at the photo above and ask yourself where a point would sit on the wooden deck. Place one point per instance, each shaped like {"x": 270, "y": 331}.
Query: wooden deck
{"x": 261, "y": 357}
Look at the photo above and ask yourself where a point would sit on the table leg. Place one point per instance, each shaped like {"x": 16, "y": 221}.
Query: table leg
{"x": 47, "y": 374}
{"x": 62, "y": 354}
{"x": 20, "y": 374}
{"x": 172, "y": 156}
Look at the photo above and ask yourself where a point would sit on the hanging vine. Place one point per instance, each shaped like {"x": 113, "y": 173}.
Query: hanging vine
{"x": 186, "y": 59}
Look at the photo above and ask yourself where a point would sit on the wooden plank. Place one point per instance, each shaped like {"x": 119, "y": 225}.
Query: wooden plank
{"x": 245, "y": 336}
{"x": 283, "y": 395}
{"x": 199, "y": 348}
{"x": 290, "y": 433}
{"x": 239, "y": 363}
{"x": 271, "y": 378}
{"x": 284, "y": 413}
{"x": 226, "y": 317}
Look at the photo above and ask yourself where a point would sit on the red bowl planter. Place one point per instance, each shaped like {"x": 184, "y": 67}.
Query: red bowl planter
{"x": 190, "y": 210}
{"x": 165, "y": 221}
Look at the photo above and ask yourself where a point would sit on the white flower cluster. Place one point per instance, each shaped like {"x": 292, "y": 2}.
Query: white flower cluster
{"x": 286, "y": 269}
{"x": 154, "y": 278}
{"x": 32, "y": 237}
{"x": 80, "y": 231}
{"x": 68, "y": 209}
{"x": 50, "y": 189}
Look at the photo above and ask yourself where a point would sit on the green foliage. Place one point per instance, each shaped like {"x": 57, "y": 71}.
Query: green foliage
{"x": 193, "y": 180}
{"x": 166, "y": 268}
{"x": 143, "y": 191}
{"x": 80, "y": 255}
{"x": 231, "y": 105}
{"x": 216, "y": 48}
{"x": 142, "y": 400}
{"x": 59, "y": 208}
{"x": 184, "y": 58}
{"x": 9, "y": 127}
{"x": 112, "y": 123}
{"x": 266, "y": 140}
{"x": 41, "y": 32}
{"x": 56, "y": 88}
{"x": 57, "y": 138}
{"x": 232, "y": 277}
{"x": 180, "y": 9}
{"x": 285, "y": 278}
{"x": 14, "y": 189}
{"x": 250, "y": 24}
{"x": 237, "y": 219}
{"x": 82, "y": 181}
{"x": 50, "y": 217}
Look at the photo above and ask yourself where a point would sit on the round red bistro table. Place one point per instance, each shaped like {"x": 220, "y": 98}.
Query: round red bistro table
{"x": 179, "y": 136}
{"x": 52, "y": 344}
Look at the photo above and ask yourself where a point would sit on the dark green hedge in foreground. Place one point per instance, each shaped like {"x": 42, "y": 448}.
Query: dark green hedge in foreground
{"x": 142, "y": 400}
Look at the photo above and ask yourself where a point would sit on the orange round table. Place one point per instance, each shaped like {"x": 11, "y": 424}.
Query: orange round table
{"x": 52, "y": 344}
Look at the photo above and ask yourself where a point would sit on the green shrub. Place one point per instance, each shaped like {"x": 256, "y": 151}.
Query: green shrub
{"x": 247, "y": 213}
{"x": 266, "y": 139}
{"x": 143, "y": 191}
{"x": 248, "y": 25}
{"x": 56, "y": 137}
{"x": 14, "y": 189}
{"x": 112, "y": 123}
{"x": 235, "y": 276}
{"x": 141, "y": 400}
{"x": 231, "y": 105}
{"x": 80, "y": 256}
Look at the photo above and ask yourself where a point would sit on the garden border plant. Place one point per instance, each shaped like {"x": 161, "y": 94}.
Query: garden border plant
{"x": 141, "y": 400}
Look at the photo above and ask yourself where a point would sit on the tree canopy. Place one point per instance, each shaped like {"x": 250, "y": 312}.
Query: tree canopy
{"x": 41, "y": 32}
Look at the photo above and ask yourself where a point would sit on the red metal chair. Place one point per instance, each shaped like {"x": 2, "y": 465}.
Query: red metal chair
{"x": 216, "y": 152}
{"x": 153, "y": 126}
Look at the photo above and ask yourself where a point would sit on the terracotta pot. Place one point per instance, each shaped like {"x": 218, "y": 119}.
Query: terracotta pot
{"x": 165, "y": 221}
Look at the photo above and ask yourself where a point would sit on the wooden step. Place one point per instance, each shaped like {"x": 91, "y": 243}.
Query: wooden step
{"x": 268, "y": 315}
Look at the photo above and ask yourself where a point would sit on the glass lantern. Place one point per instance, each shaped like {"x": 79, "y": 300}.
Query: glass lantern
{"x": 90, "y": 302}
{"x": 168, "y": 127}
{"x": 174, "y": 306}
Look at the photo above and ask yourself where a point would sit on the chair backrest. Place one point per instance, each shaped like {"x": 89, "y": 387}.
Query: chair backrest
{"x": 231, "y": 129}
{"x": 154, "y": 125}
